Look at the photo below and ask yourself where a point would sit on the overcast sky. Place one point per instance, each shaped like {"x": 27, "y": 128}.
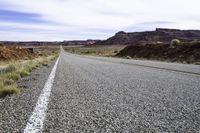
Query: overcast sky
{"x": 50, "y": 20}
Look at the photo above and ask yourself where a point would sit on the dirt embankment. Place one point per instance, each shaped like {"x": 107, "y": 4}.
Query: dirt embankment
{"x": 185, "y": 52}
{"x": 14, "y": 53}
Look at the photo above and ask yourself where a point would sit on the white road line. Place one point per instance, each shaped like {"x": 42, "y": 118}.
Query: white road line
{"x": 35, "y": 123}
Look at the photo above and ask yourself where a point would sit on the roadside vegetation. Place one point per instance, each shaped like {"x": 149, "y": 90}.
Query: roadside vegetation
{"x": 106, "y": 51}
{"x": 174, "y": 43}
{"x": 12, "y": 71}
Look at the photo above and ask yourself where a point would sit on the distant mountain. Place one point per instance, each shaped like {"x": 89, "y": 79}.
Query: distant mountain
{"x": 160, "y": 35}
{"x": 40, "y": 43}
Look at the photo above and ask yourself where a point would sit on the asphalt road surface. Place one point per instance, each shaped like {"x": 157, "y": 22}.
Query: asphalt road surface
{"x": 95, "y": 94}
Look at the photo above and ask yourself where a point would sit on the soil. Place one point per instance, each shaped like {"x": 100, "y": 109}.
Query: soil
{"x": 13, "y": 53}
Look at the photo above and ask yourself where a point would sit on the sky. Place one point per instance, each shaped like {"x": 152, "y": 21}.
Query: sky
{"x": 58, "y": 20}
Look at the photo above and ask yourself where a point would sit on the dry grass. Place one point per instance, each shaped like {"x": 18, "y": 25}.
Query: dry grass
{"x": 11, "y": 89}
{"x": 13, "y": 76}
{"x": 16, "y": 70}
{"x": 10, "y": 68}
{"x": 23, "y": 73}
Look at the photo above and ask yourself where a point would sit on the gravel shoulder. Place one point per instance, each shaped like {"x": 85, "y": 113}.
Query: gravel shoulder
{"x": 16, "y": 109}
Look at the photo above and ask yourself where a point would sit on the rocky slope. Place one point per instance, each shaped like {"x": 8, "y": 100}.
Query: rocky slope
{"x": 185, "y": 52}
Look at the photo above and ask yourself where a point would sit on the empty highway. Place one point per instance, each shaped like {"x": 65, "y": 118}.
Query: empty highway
{"x": 98, "y": 94}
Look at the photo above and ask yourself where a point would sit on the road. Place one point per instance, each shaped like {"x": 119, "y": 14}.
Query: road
{"x": 98, "y": 94}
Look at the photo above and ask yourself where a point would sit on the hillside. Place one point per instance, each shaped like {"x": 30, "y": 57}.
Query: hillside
{"x": 160, "y": 35}
{"x": 188, "y": 52}
{"x": 15, "y": 53}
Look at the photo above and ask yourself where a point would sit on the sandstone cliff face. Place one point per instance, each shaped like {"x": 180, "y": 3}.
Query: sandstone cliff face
{"x": 158, "y": 36}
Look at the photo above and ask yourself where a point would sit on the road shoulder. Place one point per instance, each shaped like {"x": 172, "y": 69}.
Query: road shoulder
{"x": 16, "y": 109}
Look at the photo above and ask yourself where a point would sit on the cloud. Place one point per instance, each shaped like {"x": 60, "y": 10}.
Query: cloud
{"x": 156, "y": 23}
{"x": 151, "y": 25}
{"x": 8, "y": 15}
{"x": 80, "y": 19}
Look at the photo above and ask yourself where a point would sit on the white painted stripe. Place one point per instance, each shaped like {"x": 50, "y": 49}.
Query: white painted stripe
{"x": 35, "y": 123}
